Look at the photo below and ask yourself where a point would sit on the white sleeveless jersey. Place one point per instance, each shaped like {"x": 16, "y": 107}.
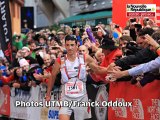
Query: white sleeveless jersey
{"x": 72, "y": 67}
{"x": 73, "y": 87}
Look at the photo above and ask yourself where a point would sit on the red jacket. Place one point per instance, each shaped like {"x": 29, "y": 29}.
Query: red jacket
{"x": 6, "y": 80}
{"x": 110, "y": 58}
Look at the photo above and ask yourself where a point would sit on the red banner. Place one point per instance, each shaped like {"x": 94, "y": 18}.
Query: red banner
{"x": 141, "y": 14}
{"x": 5, "y": 100}
{"x": 145, "y": 101}
{"x": 119, "y": 9}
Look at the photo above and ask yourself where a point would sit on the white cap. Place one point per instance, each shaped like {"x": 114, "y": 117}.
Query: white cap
{"x": 26, "y": 48}
{"x": 23, "y": 62}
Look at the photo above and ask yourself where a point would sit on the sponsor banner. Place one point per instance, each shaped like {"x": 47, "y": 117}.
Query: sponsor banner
{"x": 5, "y": 100}
{"x": 145, "y": 102}
{"x": 18, "y": 111}
{"x": 34, "y": 111}
{"x": 44, "y": 113}
{"x": 53, "y": 113}
{"x": 44, "y": 110}
{"x": 5, "y": 29}
{"x": 31, "y": 104}
{"x": 141, "y": 10}
{"x": 49, "y": 113}
{"x": 25, "y": 104}
{"x": 102, "y": 95}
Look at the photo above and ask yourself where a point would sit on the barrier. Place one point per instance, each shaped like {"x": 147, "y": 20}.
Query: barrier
{"x": 145, "y": 101}
{"x": 102, "y": 95}
{"x": 22, "y": 96}
{"x": 5, "y": 100}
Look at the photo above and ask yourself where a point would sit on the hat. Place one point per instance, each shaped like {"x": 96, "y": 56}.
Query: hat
{"x": 23, "y": 62}
{"x": 60, "y": 32}
{"x": 25, "y": 48}
{"x": 108, "y": 43}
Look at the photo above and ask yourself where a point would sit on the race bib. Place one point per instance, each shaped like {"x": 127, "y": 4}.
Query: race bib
{"x": 73, "y": 89}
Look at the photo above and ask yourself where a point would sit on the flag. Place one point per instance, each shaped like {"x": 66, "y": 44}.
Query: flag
{"x": 5, "y": 29}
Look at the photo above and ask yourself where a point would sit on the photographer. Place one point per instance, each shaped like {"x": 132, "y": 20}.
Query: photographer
{"x": 21, "y": 78}
{"x": 53, "y": 40}
{"x": 132, "y": 23}
{"x": 142, "y": 56}
{"x": 47, "y": 68}
{"x": 26, "y": 53}
{"x": 61, "y": 36}
{"x": 145, "y": 68}
{"x": 23, "y": 53}
{"x": 32, "y": 46}
{"x": 127, "y": 45}
{"x": 42, "y": 41}
{"x": 6, "y": 74}
{"x": 17, "y": 41}
{"x": 148, "y": 23}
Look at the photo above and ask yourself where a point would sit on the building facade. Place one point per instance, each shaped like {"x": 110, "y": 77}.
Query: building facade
{"x": 89, "y": 12}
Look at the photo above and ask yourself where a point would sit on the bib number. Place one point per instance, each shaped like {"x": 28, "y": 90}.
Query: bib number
{"x": 73, "y": 89}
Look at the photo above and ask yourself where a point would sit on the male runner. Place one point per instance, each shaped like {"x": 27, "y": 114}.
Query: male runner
{"x": 73, "y": 78}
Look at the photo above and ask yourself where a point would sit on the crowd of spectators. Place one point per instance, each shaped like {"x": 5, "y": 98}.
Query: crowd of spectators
{"x": 34, "y": 53}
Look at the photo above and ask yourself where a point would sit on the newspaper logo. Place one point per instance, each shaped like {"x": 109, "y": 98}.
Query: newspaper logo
{"x": 141, "y": 10}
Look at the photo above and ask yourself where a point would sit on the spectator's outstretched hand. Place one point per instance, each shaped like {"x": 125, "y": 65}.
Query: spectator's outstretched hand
{"x": 112, "y": 75}
{"x": 116, "y": 72}
{"x": 112, "y": 68}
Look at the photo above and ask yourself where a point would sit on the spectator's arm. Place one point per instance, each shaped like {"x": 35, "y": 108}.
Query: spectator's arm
{"x": 142, "y": 56}
{"x": 146, "y": 67}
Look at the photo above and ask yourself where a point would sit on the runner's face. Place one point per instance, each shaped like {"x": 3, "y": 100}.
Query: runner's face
{"x": 71, "y": 47}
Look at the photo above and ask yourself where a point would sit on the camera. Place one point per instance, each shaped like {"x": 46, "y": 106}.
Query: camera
{"x": 94, "y": 29}
{"x": 39, "y": 48}
{"x": 116, "y": 26}
{"x": 147, "y": 19}
{"x": 85, "y": 39}
{"x": 74, "y": 29}
{"x": 51, "y": 36}
{"x": 55, "y": 48}
{"x": 133, "y": 20}
{"x": 23, "y": 79}
{"x": 138, "y": 26}
{"x": 18, "y": 36}
{"x": 131, "y": 48}
{"x": 37, "y": 70}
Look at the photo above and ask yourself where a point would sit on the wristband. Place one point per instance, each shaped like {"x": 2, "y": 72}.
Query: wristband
{"x": 157, "y": 47}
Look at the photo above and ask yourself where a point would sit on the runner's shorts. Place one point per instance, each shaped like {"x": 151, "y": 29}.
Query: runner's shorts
{"x": 80, "y": 113}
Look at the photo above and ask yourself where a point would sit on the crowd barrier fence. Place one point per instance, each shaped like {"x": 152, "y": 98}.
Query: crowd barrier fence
{"x": 145, "y": 102}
